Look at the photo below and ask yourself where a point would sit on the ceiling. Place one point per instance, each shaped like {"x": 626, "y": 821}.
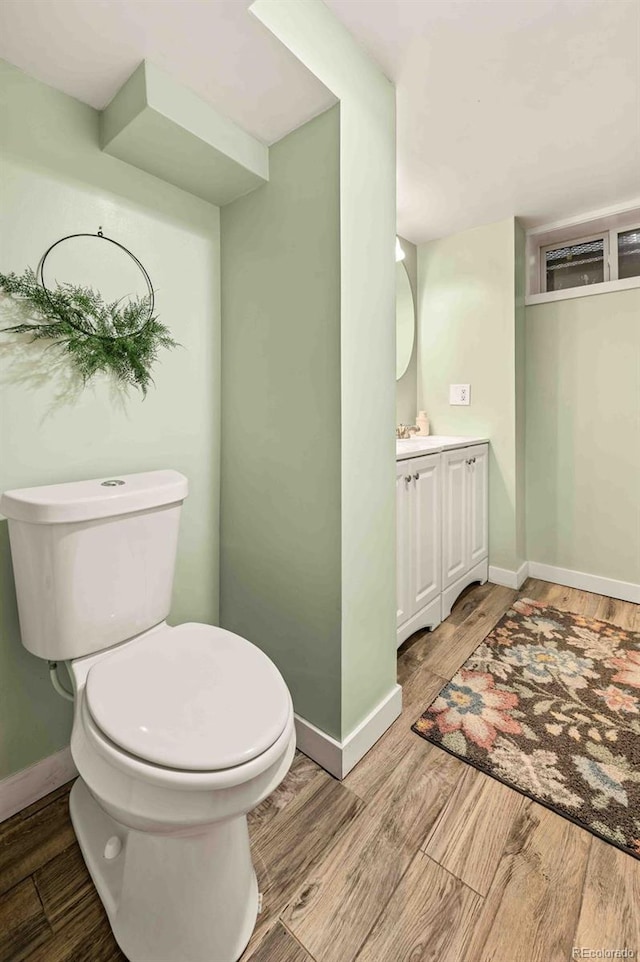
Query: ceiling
{"x": 505, "y": 107}
{"x": 525, "y": 107}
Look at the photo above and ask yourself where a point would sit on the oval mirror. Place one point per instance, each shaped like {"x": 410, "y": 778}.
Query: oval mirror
{"x": 405, "y": 320}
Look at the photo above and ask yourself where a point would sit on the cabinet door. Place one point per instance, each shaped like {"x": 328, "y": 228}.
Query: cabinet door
{"x": 425, "y": 522}
{"x": 455, "y": 532}
{"x": 403, "y": 543}
{"x": 478, "y": 503}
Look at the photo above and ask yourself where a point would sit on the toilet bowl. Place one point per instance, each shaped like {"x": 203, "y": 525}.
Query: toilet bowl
{"x": 164, "y": 840}
{"x": 178, "y": 732}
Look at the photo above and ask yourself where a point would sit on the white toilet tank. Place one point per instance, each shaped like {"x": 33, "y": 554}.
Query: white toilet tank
{"x": 93, "y": 560}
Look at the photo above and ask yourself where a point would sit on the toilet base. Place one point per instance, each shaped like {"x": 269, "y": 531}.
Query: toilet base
{"x": 170, "y": 899}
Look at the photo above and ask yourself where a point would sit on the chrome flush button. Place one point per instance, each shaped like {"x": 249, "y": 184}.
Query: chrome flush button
{"x": 113, "y": 483}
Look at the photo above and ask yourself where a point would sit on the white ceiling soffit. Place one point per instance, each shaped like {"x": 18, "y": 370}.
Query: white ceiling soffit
{"x": 507, "y": 107}
{"x": 88, "y": 48}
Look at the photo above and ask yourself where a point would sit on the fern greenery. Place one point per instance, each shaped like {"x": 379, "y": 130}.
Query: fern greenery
{"x": 120, "y": 339}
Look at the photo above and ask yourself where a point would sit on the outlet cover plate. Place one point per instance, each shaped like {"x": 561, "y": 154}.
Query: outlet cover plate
{"x": 459, "y": 394}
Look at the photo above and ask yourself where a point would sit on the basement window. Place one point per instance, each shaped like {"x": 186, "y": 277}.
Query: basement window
{"x": 629, "y": 253}
{"x": 607, "y": 256}
{"x": 584, "y": 257}
{"x": 580, "y": 262}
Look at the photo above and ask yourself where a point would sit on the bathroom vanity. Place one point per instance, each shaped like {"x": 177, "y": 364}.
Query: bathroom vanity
{"x": 442, "y": 488}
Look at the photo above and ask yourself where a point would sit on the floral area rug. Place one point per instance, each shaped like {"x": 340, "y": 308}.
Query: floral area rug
{"x": 549, "y": 704}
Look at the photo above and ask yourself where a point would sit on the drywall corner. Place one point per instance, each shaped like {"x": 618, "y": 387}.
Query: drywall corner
{"x": 520, "y": 245}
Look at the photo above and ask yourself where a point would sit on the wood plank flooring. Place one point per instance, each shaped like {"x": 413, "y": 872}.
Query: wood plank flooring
{"x": 414, "y": 857}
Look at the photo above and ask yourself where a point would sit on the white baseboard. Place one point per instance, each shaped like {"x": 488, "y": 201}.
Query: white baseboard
{"x": 509, "y": 578}
{"x": 338, "y": 758}
{"x": 624, "y": 590}
{"x": 319, "y": 746}
{"x": 27, "y": 786}
{"x": 366, "y": 734}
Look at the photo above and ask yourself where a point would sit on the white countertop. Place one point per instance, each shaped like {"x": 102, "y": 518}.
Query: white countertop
{"x": 432, "y": 444}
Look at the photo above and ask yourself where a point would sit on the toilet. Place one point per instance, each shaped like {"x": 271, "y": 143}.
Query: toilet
{"x": 178, "y": 732}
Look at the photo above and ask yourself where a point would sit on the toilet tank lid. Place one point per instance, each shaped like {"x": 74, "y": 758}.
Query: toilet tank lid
{"x": 99, "y": 498}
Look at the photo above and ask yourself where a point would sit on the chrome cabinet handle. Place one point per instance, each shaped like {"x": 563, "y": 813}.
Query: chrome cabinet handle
{"x": 416, "y": 476}
{"x": 407, "y": 478}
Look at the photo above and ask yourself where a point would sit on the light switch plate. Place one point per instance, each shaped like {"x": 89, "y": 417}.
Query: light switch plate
{"x": 459, "y": 394}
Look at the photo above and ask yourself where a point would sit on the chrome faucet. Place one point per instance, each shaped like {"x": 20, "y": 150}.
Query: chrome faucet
{"x": 404, "y": 431}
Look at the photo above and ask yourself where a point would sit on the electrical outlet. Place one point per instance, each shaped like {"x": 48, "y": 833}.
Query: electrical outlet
{"x": 459, "y": 393}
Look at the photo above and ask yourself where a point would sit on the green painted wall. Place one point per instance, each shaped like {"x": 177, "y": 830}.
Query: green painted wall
{"x": 280, "y": 519}
{"x": 583, "y": 434}
{"x": 55, "y": 180}
{"x": 468, "y": 325}
{"x": 367, "y": 345}
{"x": 407, "y": 385}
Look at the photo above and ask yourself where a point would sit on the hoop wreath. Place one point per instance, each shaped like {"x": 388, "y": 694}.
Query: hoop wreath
{"x": 116, "y": 338}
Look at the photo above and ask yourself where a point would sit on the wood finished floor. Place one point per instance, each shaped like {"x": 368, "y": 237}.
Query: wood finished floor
{"x": 415, "y": 856}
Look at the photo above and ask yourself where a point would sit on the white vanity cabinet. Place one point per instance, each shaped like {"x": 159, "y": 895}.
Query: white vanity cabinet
{"x": 465, "y": 520}
{"x": 418, "y": 506}
{"x": 442, "y": 532}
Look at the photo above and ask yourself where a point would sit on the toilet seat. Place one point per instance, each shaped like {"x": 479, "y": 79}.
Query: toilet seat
{"x": 89, "y": 741}
{"x": 193, "y": 698}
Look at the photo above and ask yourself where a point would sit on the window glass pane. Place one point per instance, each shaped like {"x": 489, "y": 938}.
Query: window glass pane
{"x": 629, "y": 253}
{"x": 575, "y": 264}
